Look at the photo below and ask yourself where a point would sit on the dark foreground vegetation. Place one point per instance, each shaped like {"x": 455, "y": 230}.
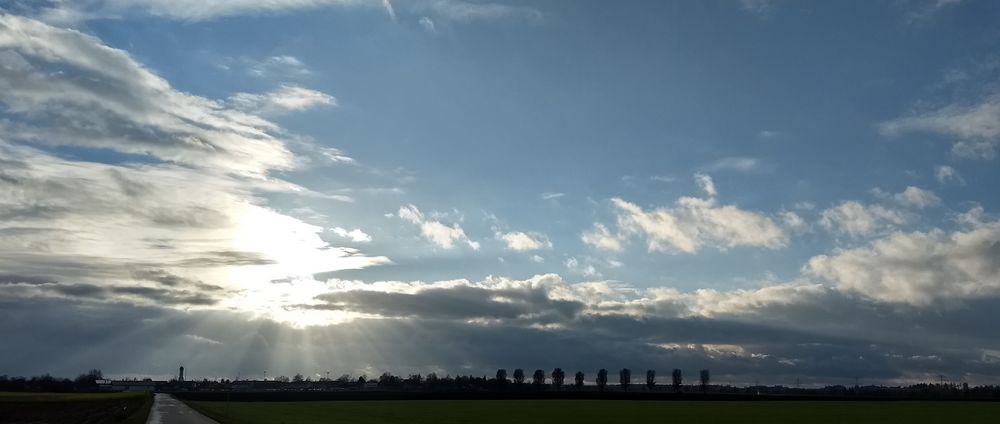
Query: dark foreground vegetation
{"x": 583, "y": 412}
{"x": 75, "y": 408}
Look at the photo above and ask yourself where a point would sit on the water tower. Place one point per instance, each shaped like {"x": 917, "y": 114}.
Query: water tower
{"x": 180, "y": 375}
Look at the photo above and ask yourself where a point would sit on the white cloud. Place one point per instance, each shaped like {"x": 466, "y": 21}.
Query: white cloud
{"x": 600, "y": 238}
{"x": 761, "y": 8}
{"x": 439, "y": 234}
{"x": 919, "y": 267}
{"x": 283, "y": 66}
{"x": 663, "y": 178}
{"x": 187, "y": 10}
{"x": 523, "y": 242}
{"x": 356, "y": 235}
{"x": 465, "y": 11}
{"x": 427, "y": 24}
{"x": 103, "y": 99}
{"x": 552, "y": 195}
{"x": 288, "y": 98}
{"x": 945, "y": 174}
{"x": 976, "y": 126}
{"x": 694, "y": 223}
{"x": 735, "y": 164}
{"x": 537, "y": 259}
{"x": 767, "y": 134}
{"x": 387, "y": 5}
{"x": 858, "y": 220}
{"x": 576, "y": 266}
{"x": 917, "y": 198}
{"x": 706, "y": 184}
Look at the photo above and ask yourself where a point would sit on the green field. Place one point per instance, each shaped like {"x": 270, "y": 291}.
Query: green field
{"x": 77, "y": 408}
{"x": 605, "y": 411}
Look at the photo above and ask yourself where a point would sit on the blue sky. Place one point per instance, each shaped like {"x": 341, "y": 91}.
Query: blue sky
{"x": 723, "y": 157}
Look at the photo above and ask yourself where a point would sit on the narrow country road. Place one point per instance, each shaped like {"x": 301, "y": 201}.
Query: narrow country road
{"x": 168, "y": 410}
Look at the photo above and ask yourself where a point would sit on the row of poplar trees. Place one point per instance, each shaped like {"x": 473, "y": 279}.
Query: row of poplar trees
{"x": 558, "y": 377}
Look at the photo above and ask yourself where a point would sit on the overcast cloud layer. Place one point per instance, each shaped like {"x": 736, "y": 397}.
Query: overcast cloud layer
{"x": 270, "y": 205}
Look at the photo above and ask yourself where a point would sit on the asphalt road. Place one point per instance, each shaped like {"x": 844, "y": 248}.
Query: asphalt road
{"x": 168, "y": 410}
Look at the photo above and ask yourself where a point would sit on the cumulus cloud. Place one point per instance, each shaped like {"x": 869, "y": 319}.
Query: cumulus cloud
{"x": 288, "y": 98}
{"x": 692, "y": 224}
{"x": 441, "y": 235}
{"x": 945, "y": 174}
{"x": 975, "y": 126}
{"x": 915, "y": 197}
{"x": 466, "y": 11}
{"x": 919, "y": 267}
{"x": 524, "y": 242}
{"x": 855, "y": 219}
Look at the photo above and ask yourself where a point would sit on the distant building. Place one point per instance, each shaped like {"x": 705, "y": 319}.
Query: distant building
{"x": 146, "y": 385}
{"x": 180, "y": 374}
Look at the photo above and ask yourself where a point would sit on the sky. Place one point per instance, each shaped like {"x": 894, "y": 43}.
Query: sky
{"x": 777, "y": 191}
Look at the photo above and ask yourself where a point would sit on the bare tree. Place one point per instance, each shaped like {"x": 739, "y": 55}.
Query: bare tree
{"x": 677, "y": 379}
{"x": 602, "y": 378}
{"x": 705, "y": 377}
{"x": 579, "y": 379}
{"x": 625, "y": 378}
{"x": 501, "y": 376}
{"x": 558, "y": 376}
{"x": 298, "y": 378}
{"x": 538, "y": 378}
{"x": 650, "y": 379}
{"x": 518, "y": 376}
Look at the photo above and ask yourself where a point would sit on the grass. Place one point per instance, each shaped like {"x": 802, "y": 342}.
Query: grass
{"x": 92, "y": 408}
{"x": 581, "y": 412}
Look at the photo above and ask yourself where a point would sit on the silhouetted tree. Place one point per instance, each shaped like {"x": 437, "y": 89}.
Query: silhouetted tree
{"x": 298, "y": 378}
{"x": 579, "y": 379}
{"x": 88, "y": 380}
{"x": 558, "y": 376}
{"x": 501, "y": 376}
{"x": 625, "y": 378}
{"x": 602, "y": 378}
{"x": 538, "y": 378}
{"x": 432, "y": 379}
{"x": 677, "y": 379}
{"x": 518, "y": 376}
{"x": 650, "y": 379}
{"x": 705, "y": 377}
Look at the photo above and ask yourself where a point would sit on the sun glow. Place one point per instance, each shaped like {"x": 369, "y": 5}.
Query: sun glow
{"x": 284, "y": 287}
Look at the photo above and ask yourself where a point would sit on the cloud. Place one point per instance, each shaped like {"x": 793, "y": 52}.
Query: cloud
{"x": 706, "y": 184}
{"x": 467, "y": 12}
{"x": 552, "y": 195}
{"x": 600, "y": 238}
{"x": 282, "y": 66}
{"x": 692, "y": 224}
{"x": 186, "y": 10}
{"x": 855, "y": 219}
{"x": 524, "y": 242}
{"x": 356, "y": 235}
{"x": 288, "y": 98}
{"x": 915, "y": 197}
{"x": 760, "y": 8}
{"x": 427, "y": 24}
{"x": 945, "y": 174}
{"x": 734, "y": 164}
{"x": 919, "y": 267}
{"x": 387, "y": 5}
{"x": 976, "y": 127}
{"x": 579, "y": 267}
{"x": 62, "y": 87}
{"x": 183, "y": 221}
{"x": 441, "y": 235}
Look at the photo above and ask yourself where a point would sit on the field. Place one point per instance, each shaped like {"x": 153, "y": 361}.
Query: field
{"x": 77, "y": 408}
{"x": 605, "y": 411}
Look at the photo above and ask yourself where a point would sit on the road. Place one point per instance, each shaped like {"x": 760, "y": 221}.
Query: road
{"x": 168, "y": 410}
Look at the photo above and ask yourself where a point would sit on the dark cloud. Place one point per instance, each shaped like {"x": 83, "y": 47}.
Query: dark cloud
{"x": 458, "y": 302}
